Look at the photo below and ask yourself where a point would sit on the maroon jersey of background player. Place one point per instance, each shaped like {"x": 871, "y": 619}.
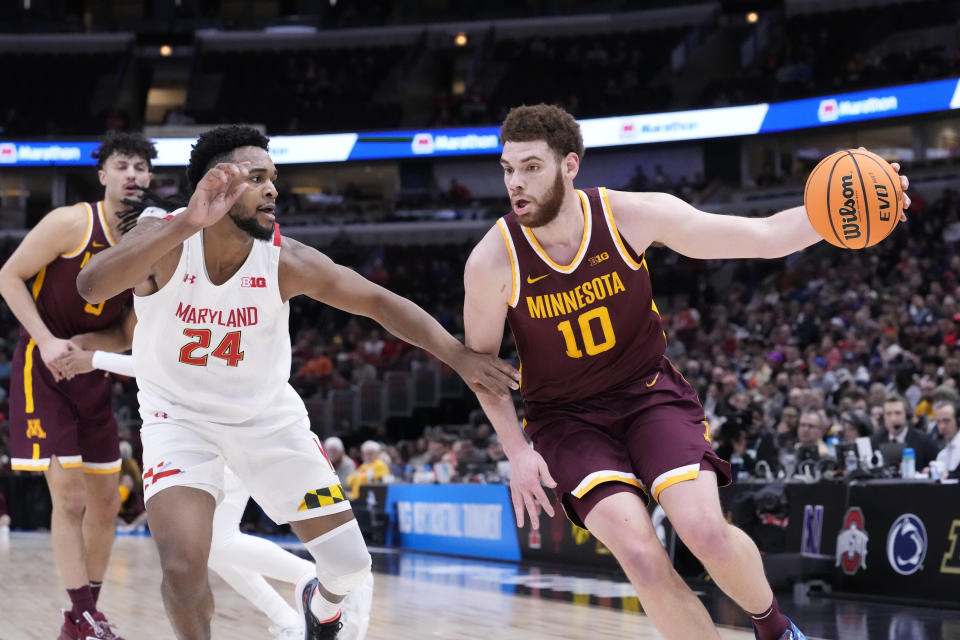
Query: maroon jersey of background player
{"x": 43, "y": 408}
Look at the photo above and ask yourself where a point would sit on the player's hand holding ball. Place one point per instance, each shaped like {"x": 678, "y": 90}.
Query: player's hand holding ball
{"x": 854, "y": 198}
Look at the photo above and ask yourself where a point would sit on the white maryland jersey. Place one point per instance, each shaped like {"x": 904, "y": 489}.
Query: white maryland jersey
{"x": 217, "y": 354}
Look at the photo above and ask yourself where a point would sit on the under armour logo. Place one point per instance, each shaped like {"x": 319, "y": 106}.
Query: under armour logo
{"x": 189, "y": 278}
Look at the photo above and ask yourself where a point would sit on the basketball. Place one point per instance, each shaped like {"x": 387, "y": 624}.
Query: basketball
{"x": 853, "y": 199}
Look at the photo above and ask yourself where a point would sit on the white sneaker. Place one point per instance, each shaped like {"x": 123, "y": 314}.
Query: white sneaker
{"x": 356, "y": 611}
{"x": 287, "y": 633}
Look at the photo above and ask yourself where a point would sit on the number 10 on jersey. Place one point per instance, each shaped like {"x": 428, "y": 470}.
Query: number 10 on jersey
{"x": 590, "y": 344}
{"x": 228, "y": 349}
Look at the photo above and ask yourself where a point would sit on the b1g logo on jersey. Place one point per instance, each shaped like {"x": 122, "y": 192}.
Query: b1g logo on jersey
{"x": 907, "y": 544}
{"x": 852, "y": 542}
{"x": 253, "y": 283}
{"x": 597, "y": 259}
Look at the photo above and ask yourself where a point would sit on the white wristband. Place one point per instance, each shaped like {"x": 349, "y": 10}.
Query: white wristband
{"x": 114, "y": 363}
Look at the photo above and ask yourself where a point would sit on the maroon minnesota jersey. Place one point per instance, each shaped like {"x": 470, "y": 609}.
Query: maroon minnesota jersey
{"x": 588, "y": 326}
{"x": 55, "y": 288}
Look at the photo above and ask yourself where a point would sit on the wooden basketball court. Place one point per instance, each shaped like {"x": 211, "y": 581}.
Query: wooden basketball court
{"x": 404, "y": 607}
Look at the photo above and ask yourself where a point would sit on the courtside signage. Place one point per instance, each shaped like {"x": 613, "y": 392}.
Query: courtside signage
{"x": 470, "y": 520}
{"x": 698, "y": 124}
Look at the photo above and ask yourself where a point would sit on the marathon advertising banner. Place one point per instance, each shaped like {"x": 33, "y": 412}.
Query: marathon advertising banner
{"x": 698, "y": 124}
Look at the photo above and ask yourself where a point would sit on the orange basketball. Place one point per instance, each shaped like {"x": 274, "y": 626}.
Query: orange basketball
{"x": 853, "y": 199}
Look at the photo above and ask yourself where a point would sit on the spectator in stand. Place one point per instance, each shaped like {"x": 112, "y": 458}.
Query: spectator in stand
{"x": 925, "y": 405}
{"x": 898, "y": 429}
{"x": 342, "y": 463}
{"x": 373, "y": 470}
{"x": 482, "y": 435}
{"x": 856, "y": 424}
{"x": 949, "y": 455}
{"x": 810, "y": 432}
{"x": 470, "y": 460}
{"x": 437, "y": 447}
{"x": 787, "y": 427}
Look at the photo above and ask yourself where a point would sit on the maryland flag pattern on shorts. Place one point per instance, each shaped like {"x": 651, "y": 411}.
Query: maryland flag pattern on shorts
{"x": 322, "y": 498}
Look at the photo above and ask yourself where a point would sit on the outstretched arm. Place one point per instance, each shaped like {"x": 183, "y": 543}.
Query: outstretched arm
{"x": 645, "y": 218}
{"x": 487, "y": 282}
{"x": 304, "y": 270}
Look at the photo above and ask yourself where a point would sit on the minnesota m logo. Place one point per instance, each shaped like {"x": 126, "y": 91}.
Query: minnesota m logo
{"x": 34, "y": 430}
{"x": 321, "y": 498}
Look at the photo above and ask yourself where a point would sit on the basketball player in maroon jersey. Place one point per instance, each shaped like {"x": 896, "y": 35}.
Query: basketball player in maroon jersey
{"x": 612, "y": 422}
{"x": 66, "y": 427}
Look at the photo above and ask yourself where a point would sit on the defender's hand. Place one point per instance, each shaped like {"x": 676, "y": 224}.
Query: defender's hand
{"x": 51, "y": 352}
{"x": 485, "y": 373}
{"x": 216, "y": 193}
{"x": 73, "y": 363}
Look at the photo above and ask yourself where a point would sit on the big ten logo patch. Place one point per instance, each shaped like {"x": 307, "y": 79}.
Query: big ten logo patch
{"x": 597, "y": 259}
{"x": 253, "y": 283}
{"x": 951, "y": 559}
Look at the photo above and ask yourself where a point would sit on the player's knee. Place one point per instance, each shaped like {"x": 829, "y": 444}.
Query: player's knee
{"x": 104, "y": 505}
{"x": 184, "y": 573}
{"x": 706, "y": 537}
{"x": 70, "y": 501}
{"x": 343, "y": 562}
{"x": 645, "y": 559}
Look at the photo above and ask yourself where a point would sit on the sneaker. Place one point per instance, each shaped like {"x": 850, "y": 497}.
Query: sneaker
{"x": 286, "y": 633}
{"x": 356, "y": 611}
{"x": 316, "y": 630}
{"x": 69, "y": 630}
{"x": 793, "y": 633}
{"x": 89, "y": 627}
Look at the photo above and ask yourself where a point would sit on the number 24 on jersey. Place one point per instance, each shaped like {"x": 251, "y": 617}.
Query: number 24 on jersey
{"x": 228, "y": 349}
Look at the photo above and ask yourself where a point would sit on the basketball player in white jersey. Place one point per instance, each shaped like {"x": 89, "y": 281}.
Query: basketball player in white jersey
{"x": 212, "y": 354}
{"x": 242, "y": 560}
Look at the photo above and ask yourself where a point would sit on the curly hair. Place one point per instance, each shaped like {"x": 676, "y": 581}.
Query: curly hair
{"x": 127, "y": 144}
{"x": 545, "y": 122}
{"x": 214, "y": 146}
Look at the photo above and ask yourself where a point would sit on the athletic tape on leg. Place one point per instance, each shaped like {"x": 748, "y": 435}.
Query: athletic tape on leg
{"x": 343, "y": 561}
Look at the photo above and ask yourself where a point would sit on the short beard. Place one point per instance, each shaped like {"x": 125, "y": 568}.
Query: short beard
{"x": 250, "y": 226}
{"x": 549, "y": 209}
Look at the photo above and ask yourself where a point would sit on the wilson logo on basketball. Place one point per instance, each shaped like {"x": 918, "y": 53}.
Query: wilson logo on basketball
{"x": 253, "y": 283}
{"x": 848, "y": 210}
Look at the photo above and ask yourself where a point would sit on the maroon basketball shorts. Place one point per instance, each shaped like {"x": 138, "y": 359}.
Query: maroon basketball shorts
{"x": 643, "y": 436}
{"x": 71, "y": 419}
